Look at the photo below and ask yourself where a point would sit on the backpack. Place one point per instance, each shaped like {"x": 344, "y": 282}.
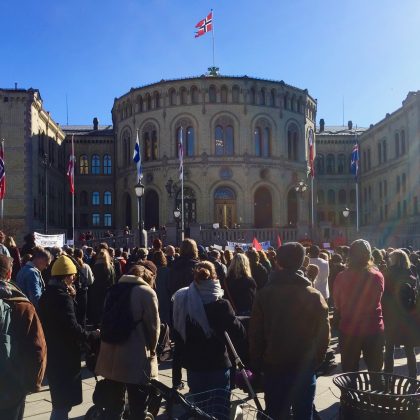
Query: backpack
{"x": 117, "y": 320}
{"x": 164, "y": 348}
{"x": 409, "y": 296}
{"x": 11, "y": 390}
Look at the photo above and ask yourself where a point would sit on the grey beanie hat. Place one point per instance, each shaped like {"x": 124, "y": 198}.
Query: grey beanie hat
{"x": 360, "y": 250}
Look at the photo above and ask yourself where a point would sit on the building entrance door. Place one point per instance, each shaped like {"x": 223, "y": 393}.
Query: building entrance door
{"x": 225, "y": 214}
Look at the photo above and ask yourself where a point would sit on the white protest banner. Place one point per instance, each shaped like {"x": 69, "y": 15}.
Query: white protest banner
{"x": 48, "y": 241}
{"x": 218, "y": 247}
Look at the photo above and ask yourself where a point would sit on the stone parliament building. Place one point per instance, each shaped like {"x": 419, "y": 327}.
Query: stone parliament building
{"x": 246, "y": 157}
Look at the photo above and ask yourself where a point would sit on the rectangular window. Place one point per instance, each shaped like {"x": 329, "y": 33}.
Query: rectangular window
{"x": 380, "y": 190}
{"x": 386, "y": 212}
{"x": 369, "y": 162}
{"x": 379, "y": 153}
{"x": 384, "y": 151}
{"x": 107, "y": 219}
{"x": 398, "y": 209}
{"x": 385, "y": 188}
{"x": 415, "y": 205}
{"x": 84, "y": 220}
{"x": 405, "y": 208}
{"x": 96, "y": 220}
{"x": 95, "y": 198}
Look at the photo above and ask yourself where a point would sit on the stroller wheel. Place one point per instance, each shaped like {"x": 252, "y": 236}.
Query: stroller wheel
{"x": 94, "y": 413}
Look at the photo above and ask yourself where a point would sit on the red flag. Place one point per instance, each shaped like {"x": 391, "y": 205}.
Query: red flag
{"x": 311, "y": 153}
{"x": 2, "y": 173}
{"x": 256, "y": 244}
{"x": 70, "y": 173}
{"x": 279, "y": 244}
{"x": 205, "y": 25}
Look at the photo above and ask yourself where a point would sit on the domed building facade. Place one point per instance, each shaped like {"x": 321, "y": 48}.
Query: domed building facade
{"x": 245, "y": 143}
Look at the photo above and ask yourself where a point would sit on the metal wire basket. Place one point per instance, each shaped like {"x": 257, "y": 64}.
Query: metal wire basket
{"x": 375, "y": 395}
{"x": 225, "y": 405}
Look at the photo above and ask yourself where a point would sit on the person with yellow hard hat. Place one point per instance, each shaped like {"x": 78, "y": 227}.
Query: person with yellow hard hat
{"x": 64, "y": 337}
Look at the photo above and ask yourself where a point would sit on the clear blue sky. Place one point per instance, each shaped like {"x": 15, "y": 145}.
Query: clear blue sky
{"x": 366, "y": 51}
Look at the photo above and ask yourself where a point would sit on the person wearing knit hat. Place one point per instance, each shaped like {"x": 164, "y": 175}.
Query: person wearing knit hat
{"x": 358, "y": 294}
{"x": 289, "y": 333}
{"x": 64, "y": 338}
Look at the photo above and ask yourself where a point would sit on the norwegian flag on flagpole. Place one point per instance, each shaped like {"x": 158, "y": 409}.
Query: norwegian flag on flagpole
{"x": 2, "y": 173}
{"x": 205, "y": 25}
{"x": 311, "y": 153}
{"x": 181, "y": 153}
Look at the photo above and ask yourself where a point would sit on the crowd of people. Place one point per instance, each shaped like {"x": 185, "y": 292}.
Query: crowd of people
{"x": 276, "y": 306}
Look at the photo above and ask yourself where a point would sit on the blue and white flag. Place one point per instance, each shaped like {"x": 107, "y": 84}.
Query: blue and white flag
{"x": 137, "y": 159}
{"x": 354, "y": 166}
{"x": 181, "y": 154}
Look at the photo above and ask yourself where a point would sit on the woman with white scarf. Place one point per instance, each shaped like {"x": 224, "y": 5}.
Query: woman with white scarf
{"x": 201, "y": 317}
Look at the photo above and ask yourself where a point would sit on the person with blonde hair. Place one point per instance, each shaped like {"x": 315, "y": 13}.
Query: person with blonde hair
{"x": 240, "y": 287}
{"x": 104, "y": 275}
{"x": 399, "y": 303}
{"x": 201, "y": 317}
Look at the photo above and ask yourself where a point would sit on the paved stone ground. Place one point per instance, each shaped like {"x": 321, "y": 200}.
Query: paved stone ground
{"x": 38, "y": 406}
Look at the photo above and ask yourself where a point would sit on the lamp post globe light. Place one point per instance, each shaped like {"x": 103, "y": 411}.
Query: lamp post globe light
{"x": 177, "y": 217}
{"x": 139, "y": 189}
{"x": 346, "y": 214}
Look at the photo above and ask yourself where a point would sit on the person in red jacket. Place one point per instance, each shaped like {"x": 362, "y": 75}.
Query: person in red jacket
{"x": 357, "y": 297}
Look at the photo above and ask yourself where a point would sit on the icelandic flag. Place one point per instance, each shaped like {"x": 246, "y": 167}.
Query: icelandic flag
{"x": 354, "y": 166}
{"x": 181, "y": 154}
{"x": 2, "y": 173}
{"x": 137, "y": 158}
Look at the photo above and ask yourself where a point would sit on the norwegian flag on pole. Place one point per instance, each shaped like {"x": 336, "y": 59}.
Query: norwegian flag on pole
{"x": 70, "y": 173}
{"x": 2, "y": 173}
{"x": 181, "y": 154}
{"x": 311, "y": 153}
{"x": 205, "y": 25}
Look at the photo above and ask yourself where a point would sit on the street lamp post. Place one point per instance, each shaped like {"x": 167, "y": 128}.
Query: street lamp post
{"x": 139, "y": 189}
{"x": 177, "y": 217}
{"x": 346, "y": 214}
{"x": 46, "y": 163}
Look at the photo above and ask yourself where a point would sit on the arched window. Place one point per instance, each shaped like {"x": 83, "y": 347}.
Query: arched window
{"x": 212, "y": 94}
{"x": 183, "y": 94}
{"x": 224, "y": 137}
{"x": 83, "y": 198}
{"x": 331, "y": 217}
{"x": 188, "y": 138}
{"x": 235, "y": 94}
{"x": 172, "y": 97}
{"x": 156, "y": 98}
{"x": 223, "y": 95}
{"x": 107, "y": 165}
{"x": 404, "y": 183}
{"x": 342, "y": 197}
{"x": 262, "y": 138}
{"x": 126, "y": 141}
{"x": 140, "y": 103}
{"x": 341, "y": 163}
{"x": 285, "y": 101}
{"x": 331, "y": 197}
{"x": 252, "y": 96}
{"x": 352, "y": 196}
{"x": 149, "y": 102}
{"x": 263, "y": 217}
{"x": 292, "y": 142}
{"x": 320, "y": 164}
{"x": 194, "y": 95}
{"x": 330, "y": 164}
{"x": 397, "y": 144}
{"x": 84, "y": 165}
{"x": 321, "y": 197}
{"x": 262, "y": 97}
{"x": 272, "y": 98}
{"x": 107, "y": 198}
{"x": 150, "y": 142}
{"x": 95, "y": 198}
{"x": 403, "y": 142}
{"x": 96, "y": 165}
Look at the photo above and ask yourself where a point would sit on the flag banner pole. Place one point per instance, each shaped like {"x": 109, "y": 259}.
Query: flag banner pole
{"x": 138, "y": 180}
{"x": 181, "y": 169}
{"x": 72, "y": 196}
{"x": 2, "y": 185}
{"x": 212, "y": 32}
{"x": 357, "y": 206}
{"x": 312, "y": 202}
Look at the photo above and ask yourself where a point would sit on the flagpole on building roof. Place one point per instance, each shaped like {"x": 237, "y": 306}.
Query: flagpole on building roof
{"x": 181, "y": 176}
{"x": 212, "y": 32}
{"x": 357, "y": 184}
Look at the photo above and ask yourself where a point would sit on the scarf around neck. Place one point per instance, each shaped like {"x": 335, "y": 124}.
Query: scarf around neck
{"x": 190, "y": 301}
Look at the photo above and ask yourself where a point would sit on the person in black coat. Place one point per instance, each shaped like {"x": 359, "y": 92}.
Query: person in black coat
{"x": 201, "y": 318}
{"x": 181, "y": 274}
{"x": 63, "y": 336}
{"x": 240, "y": 287}
{"x": 400, "y": 314}
{"x": 259, "y": 272}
